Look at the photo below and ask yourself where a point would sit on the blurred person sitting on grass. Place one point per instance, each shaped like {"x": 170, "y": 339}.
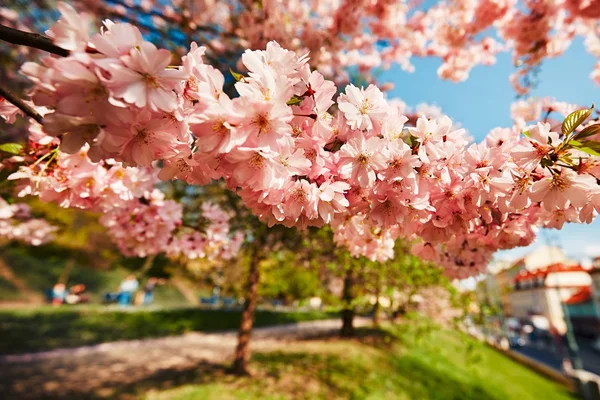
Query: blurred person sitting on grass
{"x": 149, "y": 289}
{"x": 127, "y": 289}
{"x": 77, "y": 295}
{"x": 59, "y": 292}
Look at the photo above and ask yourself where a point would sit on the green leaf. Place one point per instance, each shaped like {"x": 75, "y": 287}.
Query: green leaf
{"x": 293, "y": 101}
{"x": 575, "y": 119}
{"x": 588, "y": 131}
{"x": 236, "y": 75}
{"x": 412, "y": 140}
{"x": 527, "y": 133}
{"x": 11, "y": 148}
{"x": 587, "y": 146}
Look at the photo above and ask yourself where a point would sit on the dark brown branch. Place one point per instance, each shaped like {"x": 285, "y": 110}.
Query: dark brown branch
{"x": 10, "y": 96}
{"x": 29, "y": 39}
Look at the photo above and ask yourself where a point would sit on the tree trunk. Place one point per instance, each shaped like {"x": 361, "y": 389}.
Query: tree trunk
{"x": 348, "y": 311}
{"x": 148, "y": 262}
{"x": 185, "y": 289}
{"x": 66, "y": 272}
{"x": 242, "y": 352}
{"x": 377, "y": 306}
{"x": 26, "y": 292}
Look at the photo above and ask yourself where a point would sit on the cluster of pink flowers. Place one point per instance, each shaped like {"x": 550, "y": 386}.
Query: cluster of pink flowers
{"x": 363, "y": 239}
{"x": 8, "y": 111}
{"x": 73, "y": 180}
{"x": 217, "y": 242}
{"x": 369, "y": 35}
{"x": 299, "y": 157}
{"x": 139, "y": 219}
{"x": 16, "y": 224}
{"x": 145, "y": 226}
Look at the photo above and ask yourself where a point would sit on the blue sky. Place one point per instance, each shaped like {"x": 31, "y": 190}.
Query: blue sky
{"x": 483, "y": 102}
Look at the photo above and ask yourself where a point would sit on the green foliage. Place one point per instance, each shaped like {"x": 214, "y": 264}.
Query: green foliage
{"x": 284, "y": 277}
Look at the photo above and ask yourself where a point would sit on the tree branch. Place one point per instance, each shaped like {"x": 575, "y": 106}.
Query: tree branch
{"x": 174, "y": 20}
{"x": 20, "y": 104}
{"x": 29, "y": 39}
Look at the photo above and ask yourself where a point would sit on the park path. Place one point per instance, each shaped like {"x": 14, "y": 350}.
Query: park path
{"x": 122, "y": 369}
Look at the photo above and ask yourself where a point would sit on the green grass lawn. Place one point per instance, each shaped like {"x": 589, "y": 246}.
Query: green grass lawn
{"x": 49, "y": 328}
{"x": 397, "y": 363}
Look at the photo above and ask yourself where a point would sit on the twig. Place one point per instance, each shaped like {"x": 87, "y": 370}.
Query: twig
{"x": 140, "y": 10}
{"x": 8, "y": 95}
{"x": 29, "y": 39}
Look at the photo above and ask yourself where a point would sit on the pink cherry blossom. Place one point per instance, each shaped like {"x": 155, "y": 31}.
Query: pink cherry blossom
{"x": 360, "y": 158}
{"x": 143, "y": 78}
{"x": 363, "y": 108}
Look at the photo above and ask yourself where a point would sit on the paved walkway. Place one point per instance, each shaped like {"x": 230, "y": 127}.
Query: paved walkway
{"x": 121, "y": 369}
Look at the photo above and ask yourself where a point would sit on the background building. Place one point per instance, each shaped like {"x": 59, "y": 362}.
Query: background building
{"x": 542, "y": 291}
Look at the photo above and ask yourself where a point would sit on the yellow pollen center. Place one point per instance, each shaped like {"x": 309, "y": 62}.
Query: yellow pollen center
{"x": 256, "y": 161}
{"x": 558, "y": 183}
{"x": 299, "y": 195}
{"x": 144, "y": 136}
{"x": 151, "y": 80}
{"x": 182, "y": 166}
{"x": 395, "y": 164}
{"x": 219, "y": 126}
{"x": 363, "y": 159}
{"x": 365, "y": 107}
{"x": 296, "y": 131}
{"x": 262, "y": 121}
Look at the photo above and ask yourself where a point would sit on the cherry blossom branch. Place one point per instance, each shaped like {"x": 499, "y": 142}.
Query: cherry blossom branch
{"x": 139, "y": 9}
{"x": 163, "y": 34}
{"x": 29, "y": 39}
{"x": 20, "y": 104}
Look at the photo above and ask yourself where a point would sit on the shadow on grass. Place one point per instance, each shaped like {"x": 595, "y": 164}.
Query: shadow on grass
{"x": 338, "y": 377}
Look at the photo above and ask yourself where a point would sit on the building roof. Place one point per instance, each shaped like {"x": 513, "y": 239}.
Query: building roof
{"x": 581, "y": 296}
{"x": 543, "y": 272}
